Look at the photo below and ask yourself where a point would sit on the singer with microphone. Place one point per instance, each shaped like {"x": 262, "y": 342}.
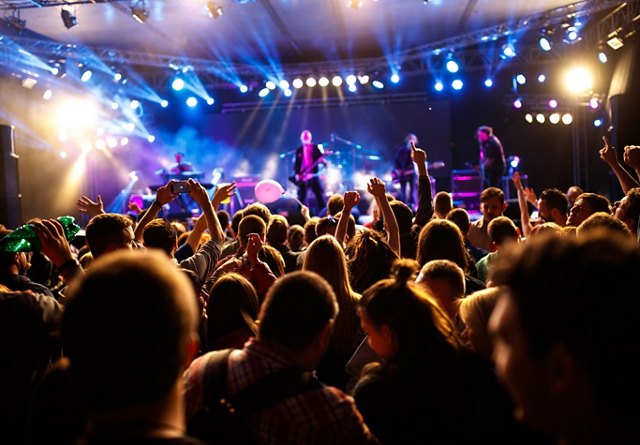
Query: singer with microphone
{"x": 308, "y": 159}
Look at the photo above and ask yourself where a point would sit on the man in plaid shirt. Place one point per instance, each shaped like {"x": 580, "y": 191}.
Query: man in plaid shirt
{"x": 295, "y": 328}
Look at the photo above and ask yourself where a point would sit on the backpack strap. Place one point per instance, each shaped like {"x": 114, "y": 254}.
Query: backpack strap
{"x": 215, "y": 378}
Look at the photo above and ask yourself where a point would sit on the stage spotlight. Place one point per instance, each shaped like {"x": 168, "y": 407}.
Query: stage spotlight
{"x": 288, "y": 92}
{"x": 488, "y": 83}
{"x": 177, "y": 84}
{"x": 311, "y": 82}
{"x": 594, "y": 103}
{"x": 63, "y": 154}
{"x": 284, "y": 85}
{"x": 139, "y": 10}
{"x": 215, "y": 10}
{"x": 68, "y": 18}
{"x": 129, "y": 126}
{"x": 101, "y": 144}
{"x": 567, "y": 118}
{"x": 614, "y": 41}
{"x": 192, "y": 101}
{"x": 363, "y": 79}
{"x": 377, "y": 84}
{"x": 134, "y": 104}
{"x": 270, "y": 84}
{"x": 336, "y": 81}
{"x": 16, "y": 22}
{"x": 264, "y": 92}
{"x": 323, "y": 82}
{"x": 554, "y": 118}
{"x": 48, "y": 94}
{"x": 164, "y": 103}
{"x": 508, "y": 51}
{"x": 395, "y": 78}
{"x": 151, "y": 139}
{"x": 86, "y": 75}
{"x": 602, "y": 57}
{"x": 578, "y": 80}
{"x": 117, "y": 77}
{"x": 529, "y": 118}
{"x": 517, "y": 103}
{"x": 521, "y": 79}
{"x": 457, "y": 84}
{"x": 553, "y": 103}
{"x": 540, "y": 118}
{"x": 353, "y": 88}
{"x": 210, "y": 101}
{"x": 542, "y": 78}
{"x": 545, "y": 44}
{"x": 452, "y": 66}
{"x": 438, "y": 86}
{"x": 354, "y": 4}
{"x": 112, "y": 142}
{"x": 297, "y": 83}
{"x": 243, "y": 88}
{"x": 124, "y": 141}
{"x": 597, "y": 123}
{"x": 351, "y": 79}
{"x": 571, "y": 35}
{"x": 114, "y": 105}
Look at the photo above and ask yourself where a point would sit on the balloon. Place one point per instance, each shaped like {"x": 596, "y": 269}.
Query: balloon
{"x": 268, "y": 191}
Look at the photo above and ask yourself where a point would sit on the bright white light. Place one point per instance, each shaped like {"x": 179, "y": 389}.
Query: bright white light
{"x": 336, "y": 81}
{"x": 377, "y": 84}
{"x": 594, "y": 103}
{"x": 271, "y": 85}
{"x": 597, "y": 123}
{"x": 457, "y": 84}
{"x": 508, "y": 50}
{"x": 602, "y": 57}
{"x": 244, "y": 88}
{"x": 99, "y": 131}
{"x": 63, "y": 154}
{"x": 311, "y": 82}
{"x": 77, "y": 116}
{"x": 351, "y": 79}
{"x": 540, "y": 118}
{"x": 578, "y": 80}
{"x": 101, "y": 144}
{"x": 133, "y": 177}
{"x": 264, "y": 92}
{"x": 164, "y": 103}
{"x": 554, "y": 118}
{"x": 151, "y": 138}
{"x": 488, "y": 83}
{"x": 452, "y": 66}
{"x": 192, "y": 101}
{"x": 112, "y": 142}
{"x": 517, "y": 103}
{"x": 363, "y": 79}
{"x": 129, "y": 126}
{"x": 542, "y": 78}
{"x": 86, "y": 75}
{"x": 567, "y": 118}
{"x": 284, "y": 85}
{"x": 114, "y": 105}
{"x": 521, "y": 79}
{"x": 438, "y": 86}
{"x": 288, "y": 92}
{"x": 210, "y": 101}
{"x": 323, "y": 82}
{"x": 87, "y": 146}
{"x": 124, "y": 141}
{"x": 297, "y": 83}
{"x": 117, "y": 77}
{"x": 55, "y": 71}
{"x": 48, "y": 94}
{"x": 353, "y": 88}
{"x": 395, "y": 78}
{"x": 177, "y": 84}
{"x": 528, "y": 117}
{"x": 545, "y": 44}
{"x": 553, "y": 103}
{"x": 134, "y": 104}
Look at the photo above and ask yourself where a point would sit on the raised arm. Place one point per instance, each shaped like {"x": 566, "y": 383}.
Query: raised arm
{"x": 56, "y": 247}
{"x": 522, "y": 203}
{"x": 351, "y": 199}
{"x": 163, "y": 196}
{"x": 90, "y": 207}
{"x": 608, "y": 155}
{"x": 377, "y": 189}
{"x": 632, "y": 157}
{"x": 425, "y": 204}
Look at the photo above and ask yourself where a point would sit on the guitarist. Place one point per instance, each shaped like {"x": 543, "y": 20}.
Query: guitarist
{"x": 308, "y": 159}
{"x": 404, "y": 172}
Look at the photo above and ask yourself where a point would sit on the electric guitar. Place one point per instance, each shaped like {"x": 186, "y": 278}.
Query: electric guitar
{"x": 306, "y": 174}
{"x": 398, "y": 175}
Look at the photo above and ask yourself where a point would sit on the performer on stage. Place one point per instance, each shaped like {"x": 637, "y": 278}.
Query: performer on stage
{"x": 307, "y": 161}
{"x": 492, "y": 162}
{"x": 180, "y": 166}
{"x": 404, "y": 172}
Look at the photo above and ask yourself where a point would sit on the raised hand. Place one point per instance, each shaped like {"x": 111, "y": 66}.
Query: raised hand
{"x": 351, "y": 199}
{"x": 608, "y": 153}
{"x": 254, "y": 244}
{"x": 90, "y": 207}
{"x": 418, "y": 155}
{"x": 632, "y": 156}
{"x": 376, "y": 188}
{"x": 516, "y": 180}
{"x": 198, "y": 193}
{"x": 304, "y": 211}
{"x": 134, "y": 207}
{"x": 54, "y": 244}
{"x": 223, "y": 193}
{"x": 531, "y": 196}
{"x": 164, "y": 195}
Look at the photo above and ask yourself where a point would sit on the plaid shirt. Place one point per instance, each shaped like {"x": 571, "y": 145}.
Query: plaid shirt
{"x": 322, "y": 416}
